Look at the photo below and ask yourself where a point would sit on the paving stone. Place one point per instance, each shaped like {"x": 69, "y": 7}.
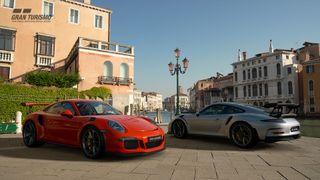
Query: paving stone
{"x": 121, "y": 176}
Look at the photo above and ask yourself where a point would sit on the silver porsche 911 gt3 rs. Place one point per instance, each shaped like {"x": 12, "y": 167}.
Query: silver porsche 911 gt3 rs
{"x": 244, "y": 124}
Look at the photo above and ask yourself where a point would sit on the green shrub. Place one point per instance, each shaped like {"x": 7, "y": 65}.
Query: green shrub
{"x": 97, "y": 92}
{"x": 45, "y": 78}
{"x": 11, "y": 97}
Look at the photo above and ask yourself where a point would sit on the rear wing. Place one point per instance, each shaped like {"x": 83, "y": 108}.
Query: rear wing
{"x": 31, "y": 104}
{"x": 285, "y": 110}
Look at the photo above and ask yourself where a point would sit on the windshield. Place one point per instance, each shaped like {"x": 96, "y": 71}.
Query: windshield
{"x": 96, "y": 108}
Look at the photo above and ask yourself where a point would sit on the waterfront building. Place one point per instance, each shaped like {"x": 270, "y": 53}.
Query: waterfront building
{"x": 217, "y": 88}
{"x": 170, "y": 103}
{"x": 153, "y": 101}
{"x": 70, "y": 36}
{"x": 309, "y": 57}
{"x": 267, "y": 77}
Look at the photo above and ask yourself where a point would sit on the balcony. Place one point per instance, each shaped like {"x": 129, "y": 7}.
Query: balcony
{"x": 115, "y": 80}
{"x": 105, "y": 46}
{"x": 44, "y": 61}
{"x": 6, "y": 56}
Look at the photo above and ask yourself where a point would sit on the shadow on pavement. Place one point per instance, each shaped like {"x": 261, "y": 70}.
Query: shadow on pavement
{"x": 14, "y": 148}
{"x": 220, "y": 144}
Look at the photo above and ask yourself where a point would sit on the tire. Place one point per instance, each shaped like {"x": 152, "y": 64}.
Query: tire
{"x": 92, "y": 143}
{"x": 30, "y": 135}
{"x": 243, "y": 135}
{"x": 179, "y": 129}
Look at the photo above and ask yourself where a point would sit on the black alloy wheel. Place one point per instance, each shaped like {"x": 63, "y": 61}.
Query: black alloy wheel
{"x": 243, "y": 135}
{"x": 30, "y": 135}
{"x": 92, "y": 143}
{"x": 179, "y": 129}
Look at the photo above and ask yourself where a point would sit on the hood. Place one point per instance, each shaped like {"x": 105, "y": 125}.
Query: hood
{"x": 133, "y": 123}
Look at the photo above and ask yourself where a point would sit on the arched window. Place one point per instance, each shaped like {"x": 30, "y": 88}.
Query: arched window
{"x": 310, "y": 85}
{"x": 108, "y": 69}
{"x": 279, "y": 88}
{"x": 278, "y": 69}
{"x": 265, "y": 69}
{"x": 124, "y": 70}
{"x": 243, "y": 75}
{"x": 254, "y": 90}
{"x": 124, "y": 73}
{"x": 290, "y": 89}
{"x": 254, "y": 73}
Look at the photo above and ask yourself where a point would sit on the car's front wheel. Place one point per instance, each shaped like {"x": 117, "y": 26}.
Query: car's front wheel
{"x": 30, "y": 135}
{"x": 243, "y": 135}
{"x": 179, "y": 129}
{"x": 92, "y": 143}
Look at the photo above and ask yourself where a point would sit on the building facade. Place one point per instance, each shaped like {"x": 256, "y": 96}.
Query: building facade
{"x": 309, "y": 57}
{"x": 70, "y": 36}
{"x": 266, "y": 78}
{"x": 217, "y": 88}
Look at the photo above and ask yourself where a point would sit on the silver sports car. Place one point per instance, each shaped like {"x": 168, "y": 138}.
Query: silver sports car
{"x": 244, "y": 124}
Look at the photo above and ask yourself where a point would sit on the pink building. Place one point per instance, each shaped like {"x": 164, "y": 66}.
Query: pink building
{"x": 68, "y": 36}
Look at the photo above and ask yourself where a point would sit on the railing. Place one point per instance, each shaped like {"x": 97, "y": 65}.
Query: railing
{"x": 115, "y": 80}
{"x": 105, "y": 46}
{"x": 44, "y": 60}
{"x": 6, "y": 56}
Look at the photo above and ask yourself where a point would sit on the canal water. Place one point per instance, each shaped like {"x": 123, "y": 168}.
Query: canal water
{"x": 309, "y": 127}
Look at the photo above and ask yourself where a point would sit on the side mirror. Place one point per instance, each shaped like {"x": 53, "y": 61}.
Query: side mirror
{"x": 67, "y": 113}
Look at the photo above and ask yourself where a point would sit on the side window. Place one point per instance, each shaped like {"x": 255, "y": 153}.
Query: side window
{"x": 85, "y": 109}
{"x": 231, "y": 110}
{"x": 68, "y": 106}
{"x": 212, "y": 110}
{"x": 55, "y": 109}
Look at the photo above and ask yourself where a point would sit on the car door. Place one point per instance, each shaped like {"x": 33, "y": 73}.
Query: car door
{"x": 62, "y": 129}
{"x": 207, "y": 121}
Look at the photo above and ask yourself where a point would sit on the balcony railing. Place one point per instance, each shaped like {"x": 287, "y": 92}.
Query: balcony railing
{"x": 44, "y": 60}
{"x": 6, "y": 56}
{"x": 115, "y": 80}
{"x": 105, "y": 46}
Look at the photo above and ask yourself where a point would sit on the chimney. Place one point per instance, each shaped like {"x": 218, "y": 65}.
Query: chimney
{"x": 239, "y": 55}
{"x": 244, "y": 55}
{"x": 292, "y": 50}
{"x": 270, "y": 47}
{"x": 87, "y": 1}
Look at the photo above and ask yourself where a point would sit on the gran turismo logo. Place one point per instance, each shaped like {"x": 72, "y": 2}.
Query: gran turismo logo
{"x": 25, "y": 15}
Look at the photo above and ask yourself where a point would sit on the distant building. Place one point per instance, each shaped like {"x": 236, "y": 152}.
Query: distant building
{"x": 217, "y": 88}
{"x": 267, "y": 77}
{"x": 309, "y": 57}
{"x": 170, "y": 103}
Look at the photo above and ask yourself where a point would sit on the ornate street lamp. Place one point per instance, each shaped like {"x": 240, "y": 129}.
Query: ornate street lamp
{"x": 176, "y": 69}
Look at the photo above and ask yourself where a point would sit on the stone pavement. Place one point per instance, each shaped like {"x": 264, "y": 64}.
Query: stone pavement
{"x": 196, "y": 157}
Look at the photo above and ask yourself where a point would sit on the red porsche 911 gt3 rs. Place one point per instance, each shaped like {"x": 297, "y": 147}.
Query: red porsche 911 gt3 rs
{"x": 94, "y": 126}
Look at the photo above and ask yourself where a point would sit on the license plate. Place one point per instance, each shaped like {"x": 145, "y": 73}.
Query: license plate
{"x": 296, "y": 128}
{"x": 155, "y": 138}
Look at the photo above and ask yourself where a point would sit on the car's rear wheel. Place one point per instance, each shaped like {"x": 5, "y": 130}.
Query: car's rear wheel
{"x": 92, "y": 143}
{"x": 179, "y": 129}
{"x": 243, "y": 135}
{"x": 30, "y": 135}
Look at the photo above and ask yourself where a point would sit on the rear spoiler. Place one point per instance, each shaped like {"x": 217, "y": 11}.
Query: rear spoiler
{"x": 285, "y": 110}
{"x": 31, "y": 104}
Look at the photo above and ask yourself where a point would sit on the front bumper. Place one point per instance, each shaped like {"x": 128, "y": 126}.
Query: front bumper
{"x": 135, "y": 143}
{"x": 282, "y": 138}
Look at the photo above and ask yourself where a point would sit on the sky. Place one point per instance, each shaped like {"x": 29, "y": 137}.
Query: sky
{"x": 208, "y": 32}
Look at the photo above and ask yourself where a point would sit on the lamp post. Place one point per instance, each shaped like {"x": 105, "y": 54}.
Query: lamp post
{"x": 176, "y": 69}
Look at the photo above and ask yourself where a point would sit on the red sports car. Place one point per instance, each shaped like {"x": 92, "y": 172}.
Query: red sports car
{"x": 94, "y": 126}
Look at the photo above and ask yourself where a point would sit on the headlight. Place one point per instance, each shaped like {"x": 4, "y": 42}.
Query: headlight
{"x": 115, "y": 126}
